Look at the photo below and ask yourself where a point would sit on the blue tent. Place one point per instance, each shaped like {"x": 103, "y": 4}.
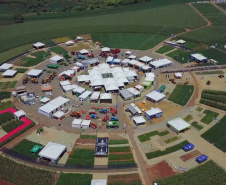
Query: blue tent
{"x": 188, "y": 147}
{"x": 201, "y": 158}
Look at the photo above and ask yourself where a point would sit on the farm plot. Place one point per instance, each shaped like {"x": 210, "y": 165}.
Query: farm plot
{"x": 59, "y": 50}
{"x": 118, "y": 141}
{"x": 93, "y": 137}
{"x": 207, "y": 173}
{"x": 126, "y": 179}
{"x": 168, "y": 150}
{"x": 81, "y": 157}
{"x": 196, "y": 125}
{"x": 208, "y": 118}
{"x": 216, "y": 135}
{"x": 6, "y": 117}
{"x": 147, "y": 136}
{"x": 6, "y": 105}
{"x": 212, "y": 98}
{"x": 164, "y": 49}
{"x": 179, "y": 55}
{"x": 24, "y": 148}
{"x": 74, "y": 179}
{"x": 21, "y": 70}
{"x": 17, "y": 173}
{"x": 4, "y": 94}
{"x": 181, "y": 94}
{"x": 9, "y": 126}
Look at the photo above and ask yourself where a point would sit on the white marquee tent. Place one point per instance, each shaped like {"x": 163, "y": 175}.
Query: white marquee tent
{"x": 56, "y": 59}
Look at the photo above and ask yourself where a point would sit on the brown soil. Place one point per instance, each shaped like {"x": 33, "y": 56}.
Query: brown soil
{"x": 160, "y": 170}
{"x": 116, "y": 137}
{"x": 124, "y": 178}
{"x": 85, "y": 141}
{"x": 195, "y": 94}
{"x": 4, "y": 182}
{"x": 189, "y": 156}
{"x": 120, "y": 153}
{"x": 121, "y": 160}
{"x": 84, "y": 146}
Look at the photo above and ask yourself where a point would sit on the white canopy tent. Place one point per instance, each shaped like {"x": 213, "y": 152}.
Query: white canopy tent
{"x": 38, "y": 45}
{"x": 109, "y": 59}
{"x": 5, "y": 67}
{"x": 128, "y": 52}
{"x": 161, "y": 63}
{"x": 103, "y": 66}
{"x": 139, "y": 88}
{"x": 56, "y": 59}
{"x": 132, "y": 57}
{"x": 84, "y": 51}
{"x": 84, "y": 96}
{"x": 70, "y": 73}
{"x": 178, "y": 75}
{"x": 125, "y": 62}
{"x": 155, "y": 96}
{"x": 105, "y": 49}
{"x": 150, "y": 74}
{"x": 66, "y": 82}
{"x": 85, "y": 124}
{"x": 52, "y": 151}
{"x": 99, "y": 182}
{"x": 9, "y": 73}
{"x": 133, "y": 91}
{"x": 45, "y": 100}
{"x": 19, "y": 114}
{"x": 83, "y": 78}
{"x": 76, "y": 123}
{"x": 146, "y": 67}
{"x": 75, "y": 68}
{"x": 35, "y": 73}
{"x": 139, "y": 120}
{"x": 79, "y": 38}
{"x": 178, "y": 124}
{"x": 78, "y": 64}
{"x": 132, "y": 62}
{"x": 130, "y": 73}
{"x": 97, "y": 82}
{"x": 95, "y": 95}
{"x": 146, "y": 59}
{"x": 199, "y": 57}
{"x": 111, "y": 87}
{"x": 181, "y": 41}
{"x": 70, "y": 43}
{"x": 58, "y": 114}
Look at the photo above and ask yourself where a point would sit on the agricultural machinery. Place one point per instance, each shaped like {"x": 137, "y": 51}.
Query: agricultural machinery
{"x": 106, "y": 117}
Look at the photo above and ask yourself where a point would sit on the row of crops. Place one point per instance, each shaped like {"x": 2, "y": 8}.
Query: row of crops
{"x": 216, "y": 135}
{"x": 6, "y": 117}
{"x": 216, "y": 99}
{"x": 208, "y": 173}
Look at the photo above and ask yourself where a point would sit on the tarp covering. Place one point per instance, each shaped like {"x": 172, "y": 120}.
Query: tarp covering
{"x": 188, "y": 147}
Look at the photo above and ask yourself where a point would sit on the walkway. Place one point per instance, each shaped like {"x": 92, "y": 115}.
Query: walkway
{"x": 218, "y": 7}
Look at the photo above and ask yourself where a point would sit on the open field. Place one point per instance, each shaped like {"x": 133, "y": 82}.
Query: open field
{"x": 126, "y": 179}
{"x": 216, "y": 135}
{"x": 207, "y": 173}
{"x": 74, "y": 179}
{"x": 182, "y": 94}
{"x": 147, "y": 136}
{"x": 119, "y": 149}
{"x": 4, "y": 94}
{"x": 210, "y": 115}
{"x": 118, "y": 141}
{"x": 179, "y": 55}
{"x": 196, "y": 125}
{"x": 17, "y": 173}
{"x": 164, "y": 49}
{"x": 9, "y": 126}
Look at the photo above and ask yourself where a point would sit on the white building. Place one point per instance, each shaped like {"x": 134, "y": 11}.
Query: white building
{"x": 35, "y": 73}
{"x": 39, "y": 45}
{"x": 178, "y": 125}
{"x": 56, "y": 59}
{"x": 139, "y": 120}
{"x": 155, "y": 96}
{"x": 70, "y": 43}
{"x": 5, "y": 67}
{"x": 9, "y": 73}
{"x": 76, "y": 123}
{"x": 19, "y": 114}
{"x": 85, "y": 124}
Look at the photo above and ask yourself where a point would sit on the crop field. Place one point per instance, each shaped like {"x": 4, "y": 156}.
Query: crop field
{"x": 222, "y": 5}
{"x": 128, "y": 40}
{"x": 74, "y": 179}
{"x": 6, "y": 117}
{"x": 60, "y": 5}
{"x": 208, "y": 173}
{"x": 208, "y": 118}
{"x": 9, "y": 126}
{"x": 196, "y": 125}
{"x": 179, "y": 55}
{"x": 59, "y": 50}
{"x": 181, "y": 94}
{"x": 216, "y": 99}
{"x": 168, "y": 150}
{"x": 81, "y": 157}
{"x": 127, "y": 22}
{"x": 21, "y": 70}
{"x": 24, "y": 148}
{"x": 94, "y": 137}
{"x": 17, "y": 173}
{"x": 6, "y": 105}
{"x": 125, "y": 179}
{"x": 216, "y": 135}
{"x": 164, "y": 49}
{"x": 12, "y": 8}
{"x": 9, "y": 84}
{"x": 118, "y": 141}
{"x": 119, "y": 149}
{"x": 147, "y": 136}
{"x": 5, "y": 94}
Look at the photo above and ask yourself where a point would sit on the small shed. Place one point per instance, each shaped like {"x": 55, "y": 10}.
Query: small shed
{"x": 105, "y": 49}
{"x": 9, "y": 73}
{"x": 56, "y": 59}
{"x": 52, "y": 151}
{"x": 134, "y": 109}
{"x": 44, "y": 100}
{"x": 155, "y": 96}
{"x": 59, "y": 114}
{"x": 178, "y": 125}
{"x": 85, "y": 124}
{"x": 146, "y": 68}
{"x": 153, "y": 113}
{"x": 84, "y": 96}
{"x": 76, "y": 123}
{"x": 5, "y": 67}
{"x": 105, "y": 98}
{"x": 138, "y": 120}
{"x": 178, "y": 75}
{"x": 145, "y": 59}
{"x": 38, "y": 45}
{"x": 125, "y": 94}
{"x": 78, "y": 91}
{"x": 131, "y": 57}
{"x": 19, "y": 114}
{"x": 35, "y": 73}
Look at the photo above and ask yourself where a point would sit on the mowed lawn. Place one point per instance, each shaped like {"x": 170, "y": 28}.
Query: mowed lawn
{"x": 182, "y": 94}
{"x": 164, "y": 49}
{"x": 128, "y": 40}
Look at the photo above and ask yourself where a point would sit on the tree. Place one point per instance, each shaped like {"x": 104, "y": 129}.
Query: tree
{"x": 18, "y": 18}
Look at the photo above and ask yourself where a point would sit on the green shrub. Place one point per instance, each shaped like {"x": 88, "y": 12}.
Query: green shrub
{"x": 188, "y": 118}
{"x": 5, "y": 85}
{"x": 213, "y": 104}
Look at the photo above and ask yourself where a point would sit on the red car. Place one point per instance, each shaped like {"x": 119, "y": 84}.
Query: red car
{"x": 91, "y": 55}
{"x": 93, "y": 125}
{"x": 106, "y": 117}
{"x": 87, "y": 117}
{"x": 73, "y": 53}
{"x": 117, "y": 50}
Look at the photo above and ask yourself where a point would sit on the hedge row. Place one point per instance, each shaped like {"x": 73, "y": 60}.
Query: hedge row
{"x": 218, "y": 98}
{"x": 5, "y": 117}
{"x": 214, "y": 92}
{"x": 213, "y": 104}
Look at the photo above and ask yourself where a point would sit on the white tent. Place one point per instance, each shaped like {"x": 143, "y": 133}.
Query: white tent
{"x": 128, "y": 52}
{"x": 9, "y": 73}
{"x": 132, "y": 57}
{"x": 96, "y": 77}
{"x": 106, "y": 49}
{"x": 117, "y": 61}
{"x": 181, "y": 41}
{"x": 122, "y": 80}
{"x": 85, "y": 124}
{"x": 130, "y": 73}
{"x": 146, "y": 59}
{"x": 161, "y": 63}
{"x": 133, "y": 91}
{"x": 97, "y": 82}
{"x": 38, "y": 45}
{"x": 76, "y": 123}
{"x": 146, "y": 67}
{"x": 149, "y": 79}
{"x": 69, "y": 43}
{"x": 78, "y": 64}
{"x": 66, "y": 82}
{"x": 58, "y": 114}
{"x": 70, "y": 73}
{"x": 150, "y": 75}
{"x": 139, "y": 88}
{"x": 79, "y": 90}
{"x": 56, "y": 59}
{"x": 19, "y": 114}
{"x": 199, "y": 57}
{"x": 84, "y": 51}
{"x": 79, "y": 38}
{"x": 52, "y": 151}
{"x": 95, "y": 95}
{"x": 178, "y": 75}
{"x": 35, "y": 73}
{"x": 111, "y": 87}
{"x": 94, "y": 72}
{"x": 132, "y": 62}
{"x": 105, "y": 96}
{"x": 109, "y": 59}
{"x": 83, "y": 78}
{"x": 84, "y": 96}
{"x": 139, "y": 64}
{"x": 155, "y": 96}
{"x": 5, "y": 67}
{"x": 125, "y": 62}
{"x": 44, "y": 100}
{"x": 139, "y": 120}
{"x": 103, "y": 66}
{"x": 68, "y": 88}
{"x": 178, "y": 124}
{"x": 75, "y": 68}
{"x": 99, "y": 182}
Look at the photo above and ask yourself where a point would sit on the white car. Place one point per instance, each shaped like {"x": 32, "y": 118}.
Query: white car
{"x": 37, "y": 96}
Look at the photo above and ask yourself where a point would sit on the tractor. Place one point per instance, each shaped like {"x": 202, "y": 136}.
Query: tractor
{"x": 103, "y": 111}
{"x": 92, "y": 112}
{"x": 93, "y": 125}
{"x": 43, "y": 82}
{"x": 106, "y": 117}
{"x": 33, "y": 80}
{"x": 208, "y": 82}
{"x": 93, "y": 116}
{"x": 114, "y": 118}
{"x": 221, "y": 75}
{"x": 75, "y": 114}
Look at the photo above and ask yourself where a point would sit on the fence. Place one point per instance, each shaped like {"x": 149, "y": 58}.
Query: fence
{"x": 23, "y": 158}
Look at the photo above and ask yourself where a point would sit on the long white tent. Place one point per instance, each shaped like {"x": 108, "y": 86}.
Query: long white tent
{"x": 76, "y": 123}
{"x": 53, "y": 106}
{"x": 84, "y": 96}
{"x": 161, "y": 63}
{"x": 139, "y": 120}
{"x": 9, "y": 73}
{"x": 5, "y": 67}
{"x": 56, "y": 59}
{"x": 155, "y": 96}
{"x": 35, "y": 73}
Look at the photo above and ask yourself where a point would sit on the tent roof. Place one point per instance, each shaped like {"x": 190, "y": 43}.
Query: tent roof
{"x": 77, "y": 122}
{"x": 105, "y": 49}
{"x": 38, "y": 44}
{"x": 56, "y": 58}
{"x": 132, "y": 57}
{"x": 145, "y": 59}
{"x": 70, "y": 42}
{"x": 85, "y": 94}
{"x": 128, "y": 52}
{"x": 9, "y": 72}
{"x": 52, "y": 151}
{"x": 75, "y": 68}
{"x": 109, "y": 59}
{"x": 134, "y": 109}
{"x": 181, "y": 41}
{"x": 84, "y": 51}
{"x": 161, "y": 62}
{"x": 132, "y": 62}
{"x": 139, "y": 119}
{"x": 68, "y": 73}
{"x": 99, "y": 182}
{"x": 78, "y": 64}
{"x": 139, "y": 87}
{"x": 125, "y": 93}
{"x": 103, "y": 65}
{"x": 97, "y": 82}
{"x": 66, "y": 82}
{"x": 130, "y": 73}
{"x": 79, "y": 89}
{"x": 178, "y": 74}
{"x": 105, "y": 96}
{"x": 58, "y": 114}
{"x": 145, "y": 67}
{"x": 34, "y": 72}
{"x": 68, "y": 87}
{"x": 139, "y": 64}
{"x": 44, "y": 100}
{"x": 149, "y": 79}
{"x": 146, "y": 83}
{"x": 125, "y": 61}
{"x": 111, "y": 86}
{"x": 85, "y": 122}
{"x": 150, "y": 75}
{"x": 83, "y": 78}
{"x": 199, "y": 56}
{"x": 95, "y": 95}
{"x": 156, "y": 96}
{"x": 133, "y": 91}
{"x": 20, "y": 113}
{"x": 153, "y": 111}
{"x": 5, "y": 66}
{"x": 179, "y": 124}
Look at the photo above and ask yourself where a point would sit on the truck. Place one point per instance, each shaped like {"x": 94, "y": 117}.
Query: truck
{"x": 53, "y": 66}
{"x": 75, "y": 114}
{"x": 112, "y": 124}
{"x": 81, "y": 56}
{"x": 106, "y": 117}
{"x": 103, "y": 111}
{"x": 114, "y": 118}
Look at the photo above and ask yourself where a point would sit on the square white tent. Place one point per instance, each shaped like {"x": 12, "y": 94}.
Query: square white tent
{"x": 146, "y": 68}
{"x": 132, "y": 62}
{"x": 79, "y": 64}
{"x": 78, "y": 90}
{"x": 125, "y": 94}
{"x": 85, "y": 124}
{"x": 79, "y": 38}
{"x": 95, "y": 96}
{"x": 84, "y": 51}
{"x": 105, "y": 98}
{"x": 140, "y": 88}
{"x": 97, "y": 82}
{"x": 161, "y": 63}
{"x": 38, "y": 45}
{"x": 52, "y": 151}
{"x": 125, "y": 62}
{"x": 99, "y": 182}
{"x": 132, "y": 57}
{"x": 56, "y": 59}
{"x": 130, "y": 73}
{"x": 83, "y": 78}
{"x": 178, "y": 75}
{"x": 133, "y": 91}
{"x": 19, "y": 114}
{"x": 66, "y": 82}
{"x": 76, "y": 123}
{"x": 75, "y": 68}
{"x": 155, "y": 96}
{"x": 53, "y": 106}
{"x": 181, "y": 41}
{"x": 9, "y": 73}
{"x": 35, "y": 73}
{"x": 111, "y": 87}
{"x": 139, "y": 120}
{"x": 58, "y": 114}
{"x": 146, "y": 59}
{"x": 5, "y": 67}
{"x": 69, "y": 43}
{"x": 178, "y": 125}
{"x": 128, "y": 52}
{"x": 68, "y": 88}
{"x": 44, "y": 100}
{"x": 69, "y": 73}
{"x": 153, "y": 113}
{"x": 105, "y": 49}
{"x": 84, "y": 96}
{"x": 134, "y": 109}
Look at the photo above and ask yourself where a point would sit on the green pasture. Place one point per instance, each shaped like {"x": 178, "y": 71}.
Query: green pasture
{"x": 118, "y": 141}
{"x": 12, "y": 8}
{"x": 164, "y": 49}
{"x": 222, "y": 5}
{"x": 74, "y": 179}
{"x": 147, "y": 136}
{"x": 208, "y": 118}
{"x": 6, "y": 117}
{"x": 61, "y": 5}
{"x": 181, "y": 94}
{"x": 179, "y": 55}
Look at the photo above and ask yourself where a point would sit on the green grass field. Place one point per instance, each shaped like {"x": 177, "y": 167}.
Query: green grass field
{"x": 24, "y": 148}
{"x": 94, "y": 137}
{"x": 5, "y": 94}
{"x": 196, "y": 125}
{"x": 6, "y": 117}
{"x": 208, "y": 173}
{"x": 164, "y": 49}
{"x": 170, "y": 140}
{"x": 118, "y": 141}
{"x": 81, "y": 157}
{"x": 181, "y": 94}
{"x": 208, "y": 118}
{"x": 120, "y": 156}
{"x": 216, "y": 134}
{"x": 147, "y": 136}
{"x": 11, "y": 125}
{"x": 74, "y": 179}
{"x": 222, "y": 5}
{"x": 199, "y": 109}
{"x": 119, "y": 149}
{"x": 179, "y": 55}
{"x": 59, "y": 50}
